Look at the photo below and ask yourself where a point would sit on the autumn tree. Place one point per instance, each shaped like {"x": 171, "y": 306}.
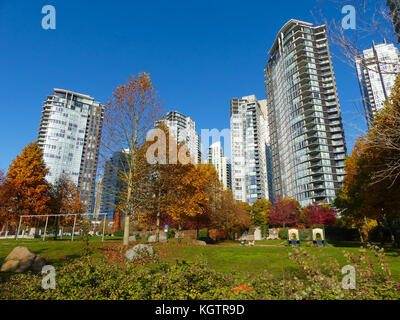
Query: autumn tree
{"x": 25, "y": 189}
{"x": 206, "y": 189}
{"x": 187, "y": 197}
{"x": 318, "y": 214}
{"x": 229, "y": 215}
{"x": 129, "y": 115}
{"x": 260, "y": 211}
{"x": 116, "y": 222}
{"x": 64, "y": 199}
{"x": 245, "y": 206}
{"x": 285, "y": 212}
{"x": 167, "y": 159}
{"x": 3, "y": 199}
{"x": 372, "y": 183}
{"x": 383, "y": 142}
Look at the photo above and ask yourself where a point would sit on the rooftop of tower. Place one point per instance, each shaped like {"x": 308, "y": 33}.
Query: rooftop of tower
{"x": 74, "y": 93}
{"x": 284, "y": 28}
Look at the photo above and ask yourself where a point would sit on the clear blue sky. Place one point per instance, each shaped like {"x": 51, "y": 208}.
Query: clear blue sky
{"x": 200, "y": 54}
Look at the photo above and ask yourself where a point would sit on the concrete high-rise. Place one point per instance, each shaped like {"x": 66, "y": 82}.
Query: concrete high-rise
{"x": 69, "y": 135}
{"x": 377, "y": 69}
{"x": 184, "y": 130}
{"x": 221, "y": 164}
{"x": 248, "y": 148}
{"x": 304, "y": 119}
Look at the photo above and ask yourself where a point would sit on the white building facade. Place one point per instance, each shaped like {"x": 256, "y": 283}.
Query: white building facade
{"x": 377, "y": 69}
{"x": 184, "y": 130}
{"x": 221, "y": 164}
{"x": 248, "y": 148}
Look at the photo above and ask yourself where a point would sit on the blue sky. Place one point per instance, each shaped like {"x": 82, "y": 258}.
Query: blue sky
{"x": 200, "y": 54}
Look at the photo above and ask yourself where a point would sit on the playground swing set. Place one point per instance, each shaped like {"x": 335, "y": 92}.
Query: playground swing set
{"x": 317, "y": 236}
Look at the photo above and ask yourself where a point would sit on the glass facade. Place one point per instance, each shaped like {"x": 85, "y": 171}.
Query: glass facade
{"x": 248, "y": 147}
{"x": 112, "y": 183}
{"x": 304, "y": 119}
{"x": 377, "y": 69}
{"x": 69, "y": 135}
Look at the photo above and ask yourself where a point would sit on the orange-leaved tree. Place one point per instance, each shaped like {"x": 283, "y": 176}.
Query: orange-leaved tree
{"x": 25, "y": 187}
{"x": 128, "y": 117}
{"x": 64, "y": 199}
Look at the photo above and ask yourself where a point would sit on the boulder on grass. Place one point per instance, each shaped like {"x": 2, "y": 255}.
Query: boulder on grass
{"x": 162, "y": 238}
{"x": 21, "y": 259}
{"x": 139, "y": 251}
{"x": 198, "y": 243}
{"x": 10, "y": 266}
{"x": 132, "y": 238}
{"x": 38, "y": 264}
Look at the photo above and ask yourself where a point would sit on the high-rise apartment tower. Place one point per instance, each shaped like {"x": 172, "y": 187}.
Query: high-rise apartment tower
{"x": 305, "y": 125}
{"x": 221, "y": 164}
{"x": 248, "y": 148}
{"x": 69, "y": 135}
{"x": 377, "y": 69}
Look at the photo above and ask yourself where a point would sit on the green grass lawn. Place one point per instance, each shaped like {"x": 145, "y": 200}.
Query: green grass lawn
{"x": 227, "y": 257}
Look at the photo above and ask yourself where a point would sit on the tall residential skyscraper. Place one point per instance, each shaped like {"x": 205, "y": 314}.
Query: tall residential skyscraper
{"x": 377, "y": 69}
{"x": 306, "y": 133}
{"x": 184, "y": 130}
{"x": 248, "y": 148}
{"x": 222, "y": 164}
{"x": 69, "y": 135}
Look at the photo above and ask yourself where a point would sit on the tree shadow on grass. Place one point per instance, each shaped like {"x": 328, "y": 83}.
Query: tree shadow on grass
{"x": 346, "y": 244}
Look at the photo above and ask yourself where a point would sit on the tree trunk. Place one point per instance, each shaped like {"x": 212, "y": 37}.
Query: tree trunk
{"x": 361, "y": 237}
{"x": 366, "y": 225}
{"x": 126, "y": 231}
{"x": 128, "y": 211}
{"x": 197, "y": 230}
{"x": 55, "y": 228}
{"x": 179, "y": 233}
{"x": 158, "y": 219}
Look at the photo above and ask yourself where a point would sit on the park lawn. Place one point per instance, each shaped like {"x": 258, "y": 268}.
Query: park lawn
{"x": 53, "y": 251}
{"x": 274, "y": 259}
{"x": 228, "y": 257}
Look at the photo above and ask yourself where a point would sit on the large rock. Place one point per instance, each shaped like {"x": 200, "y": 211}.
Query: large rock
{"x": 132, "y": 238}
{"x": 38, "y": 264}
{"x": 163, "y": 238}
{"x": 21, "y": 259}
{"x": 10, "y": 266}
{"x": 198, "y": 243}
{"x": 139, "y": 251}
